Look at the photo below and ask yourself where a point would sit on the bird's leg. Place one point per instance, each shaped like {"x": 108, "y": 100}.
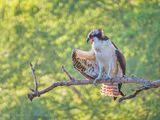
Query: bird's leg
{"x": 109, "y": 71}
{"x": 99, "y": 75}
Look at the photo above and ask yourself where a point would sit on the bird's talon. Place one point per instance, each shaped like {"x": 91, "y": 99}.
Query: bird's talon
{"x": 108, "y": 78}
{"x": 147, "y": 84}
{"x": 94, "y": 82}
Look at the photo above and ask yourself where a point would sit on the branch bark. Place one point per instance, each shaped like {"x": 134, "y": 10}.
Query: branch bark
{"x": 146, "y": 85}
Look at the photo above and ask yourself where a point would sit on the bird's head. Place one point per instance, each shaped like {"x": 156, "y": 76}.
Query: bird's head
{"x": 97, "y": 33}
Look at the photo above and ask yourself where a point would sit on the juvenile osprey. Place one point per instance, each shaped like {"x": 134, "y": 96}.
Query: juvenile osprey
{"x": 103, "y": 61}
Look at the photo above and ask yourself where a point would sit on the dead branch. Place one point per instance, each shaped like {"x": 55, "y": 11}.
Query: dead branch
{"x": 135, "y": 93}
{"x": 146, "y": 84}
{"x": 35, "y": 80}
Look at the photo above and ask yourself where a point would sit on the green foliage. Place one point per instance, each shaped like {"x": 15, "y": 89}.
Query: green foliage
{"x": 44, "y": 32}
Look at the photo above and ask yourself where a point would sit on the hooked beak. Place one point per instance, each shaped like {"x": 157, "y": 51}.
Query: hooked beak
{"x": 88, "y": 39}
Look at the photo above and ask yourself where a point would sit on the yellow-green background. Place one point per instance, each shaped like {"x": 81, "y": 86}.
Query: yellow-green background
{"x": 44, "y": 32}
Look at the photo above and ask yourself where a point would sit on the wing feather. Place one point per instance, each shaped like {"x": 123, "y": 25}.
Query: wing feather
{"x": 87, "y": 55}
{"x": 121, "y": 60}
{"x": 122, "y": 63}
{"x": 85, "y": 63}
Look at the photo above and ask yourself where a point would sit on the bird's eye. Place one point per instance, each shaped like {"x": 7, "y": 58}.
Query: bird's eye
{"x": 95, "y": 35}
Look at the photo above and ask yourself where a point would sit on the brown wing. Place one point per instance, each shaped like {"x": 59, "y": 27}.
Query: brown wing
{"x": 114, "y": 45}
{"x": 121, "y": 60}
{"x": 84, "y": 62}
{"x": 86, "y": 55}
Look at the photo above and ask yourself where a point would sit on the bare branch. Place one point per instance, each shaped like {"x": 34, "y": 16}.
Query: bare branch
{"x": 34, "y": 76}
{"x": 152, "y": 84}
{"x": 146, "y": 84}
{"x": 136, "y": 92}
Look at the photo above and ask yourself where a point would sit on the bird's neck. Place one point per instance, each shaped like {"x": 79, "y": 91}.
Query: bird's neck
{"x": 100, "y": 43}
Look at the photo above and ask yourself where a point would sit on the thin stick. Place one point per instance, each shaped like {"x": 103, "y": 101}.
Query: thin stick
{"x": 34, "y": 77}
{"x": 67, "y": 73}
{"x": 134, "y": 94}
{"x": 154, "y": 84}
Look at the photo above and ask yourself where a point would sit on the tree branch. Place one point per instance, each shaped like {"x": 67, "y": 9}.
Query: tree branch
{"x": 146, "y": 84}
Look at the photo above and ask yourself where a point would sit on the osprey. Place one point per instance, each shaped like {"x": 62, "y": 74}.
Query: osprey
{"x": 103, "y": 61}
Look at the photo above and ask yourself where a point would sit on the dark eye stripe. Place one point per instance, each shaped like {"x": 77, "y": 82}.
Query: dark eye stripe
{"x": 95, "y": 35}
{"x": 91, "y": 35}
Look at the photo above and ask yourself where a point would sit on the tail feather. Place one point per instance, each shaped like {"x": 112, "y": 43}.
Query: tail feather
{"x": 110, "y": 89}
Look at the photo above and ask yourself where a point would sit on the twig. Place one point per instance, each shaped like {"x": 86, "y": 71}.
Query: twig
{"x": 134, "y": 94}
{"x": 153, "y": 84}
{"x": 35, "y": 79}
{"x": 72, "y": 79}
{"x": 67, "y": 73}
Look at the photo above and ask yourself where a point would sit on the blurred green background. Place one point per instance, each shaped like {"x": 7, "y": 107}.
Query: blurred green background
{"x": 44, "y": 32}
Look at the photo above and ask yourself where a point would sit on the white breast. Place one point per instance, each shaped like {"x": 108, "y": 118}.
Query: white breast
{"x": 104, "y": 51}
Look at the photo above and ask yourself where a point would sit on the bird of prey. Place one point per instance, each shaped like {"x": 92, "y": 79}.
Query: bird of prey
{"x": 103, "y": 61}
